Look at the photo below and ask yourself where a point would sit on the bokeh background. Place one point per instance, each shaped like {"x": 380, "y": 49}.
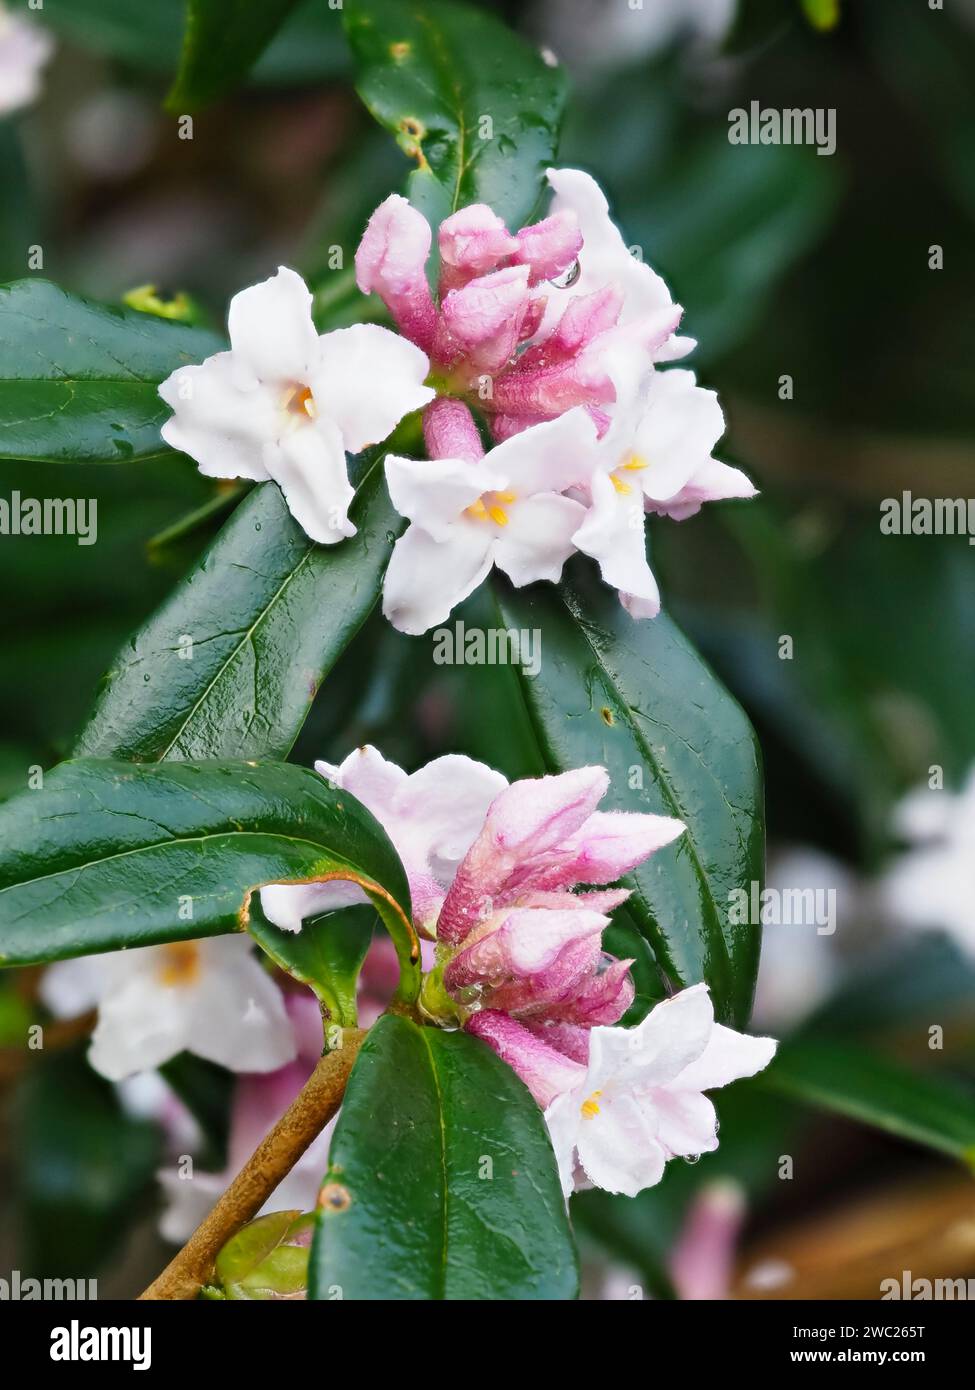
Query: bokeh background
{"x": 787, "y": 263}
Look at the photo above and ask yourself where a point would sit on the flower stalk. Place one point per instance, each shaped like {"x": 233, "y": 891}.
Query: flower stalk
{"x": 273, "y": 1159}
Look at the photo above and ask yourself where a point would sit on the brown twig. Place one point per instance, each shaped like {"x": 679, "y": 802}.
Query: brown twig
{"x": 274, "y": 1157}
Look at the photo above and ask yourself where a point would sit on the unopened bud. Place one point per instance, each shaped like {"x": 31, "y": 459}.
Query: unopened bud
{"x": 267, "y": 1259}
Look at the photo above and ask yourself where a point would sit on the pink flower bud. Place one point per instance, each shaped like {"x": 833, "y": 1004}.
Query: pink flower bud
{"x": 391, "y": 260}
{"x": 549, "y": 247}
{"x": 472, "y": 242}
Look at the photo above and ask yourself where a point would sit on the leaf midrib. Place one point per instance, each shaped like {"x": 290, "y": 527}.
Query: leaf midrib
{"x": 176, "y": 843}
{"x": 249, "y": 633}
{"x": 442, "y": 1268}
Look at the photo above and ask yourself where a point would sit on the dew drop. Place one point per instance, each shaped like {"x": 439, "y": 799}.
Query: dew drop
{"x": 568, "y": 277}
{"x": 257, "y": 525}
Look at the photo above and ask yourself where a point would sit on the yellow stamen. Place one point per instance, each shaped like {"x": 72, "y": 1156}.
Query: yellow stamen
{"x": 634, "y": 463}
{"x": 619, "y": 485}
{"x": 300, "y": 401}
{"x": 489, "y": 508}
{"x": 180, "y": 963}
{"x": 589, "y": 1107}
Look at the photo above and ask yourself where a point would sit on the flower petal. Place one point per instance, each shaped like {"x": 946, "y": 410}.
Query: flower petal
{"x": 617, "y": 1147}
{"x": 672, "y": 1036}
{"x": 366, "y": 380}
{"x": 271, "y": 328}
{"x": 537, "y": 540}
{"x": 727, "y": 1057}
{"x": 434, "y": 493}
{"x": 223, "y": 418}
{"x": 611, "y": 843}
{"x": 613, "y": 534}
{"x": 687, "y": 1124}
{"x": 426, "y": 579}
{"x": 309, "y": 466}
{"x": 288, "y": 905}
{"x": 549, "y": 457}
{"x": 604, "y": 259}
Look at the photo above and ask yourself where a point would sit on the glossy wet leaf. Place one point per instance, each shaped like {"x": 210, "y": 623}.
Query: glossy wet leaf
{"x": 79, "y": 380}
{"x": 229, "y": 665}
{"x": 635, "y": 698}
{"x": 442, "y": 1182}
{"x": 473, "y": 105}
{"x": 111, "y": 854}
{"x": 223, "y": 39}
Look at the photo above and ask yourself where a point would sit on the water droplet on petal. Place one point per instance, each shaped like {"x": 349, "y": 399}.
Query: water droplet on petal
{"x": 568, "y": 277}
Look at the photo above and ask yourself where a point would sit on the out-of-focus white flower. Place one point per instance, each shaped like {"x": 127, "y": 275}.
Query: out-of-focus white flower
{"x": 146, "y": 1095}
{"x": 210, "y": 997}
{"x": 800, "y": 963}
{"x": 288, "y": 404}
{"x": 594, "y": 35}
{"x": 24, "y": 49}
{"x": 259, "y": 1102}
{"x": 932, "y": 884}
{"x": 641, "y": 1102}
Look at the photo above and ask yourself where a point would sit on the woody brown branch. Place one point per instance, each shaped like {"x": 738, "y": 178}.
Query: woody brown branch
{"x": 275, "y": 1156}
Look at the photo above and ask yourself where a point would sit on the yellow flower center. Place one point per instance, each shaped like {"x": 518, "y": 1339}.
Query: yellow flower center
{"x": 632, "y": 464}
{"x": 300, "y": 403}
{"x": 590, "y": 1107}
{"x": 180, "y": 964}
{"x": 491, "y": 507}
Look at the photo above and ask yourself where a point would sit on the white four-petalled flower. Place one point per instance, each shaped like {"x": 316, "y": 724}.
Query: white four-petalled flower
{"x": 287, "y": 403}
{"x": 641, "y": 1100}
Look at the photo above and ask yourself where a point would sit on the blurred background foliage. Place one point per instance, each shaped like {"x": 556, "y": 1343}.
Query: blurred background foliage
{"x": 787, "y": 263}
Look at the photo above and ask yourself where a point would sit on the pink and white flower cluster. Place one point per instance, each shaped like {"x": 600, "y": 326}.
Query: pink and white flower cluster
{"x": 548, "y": 427}
{"x": 508, "y": 880}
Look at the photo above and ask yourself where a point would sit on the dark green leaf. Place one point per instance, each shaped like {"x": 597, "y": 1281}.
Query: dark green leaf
{"x": 636, "y": 698}
{"x": 110, "y": 854}
{"x": 433, "y": 75}
{"x": 442, "y": 1182}
{"x": 850, "y": 1081}
{"x": 326, "y": 954}
{"x": 79, "y": 381}
{"x": 267, "y": 613}
{"x": 308, "y": 48}
{"x": 224, "y": 38}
